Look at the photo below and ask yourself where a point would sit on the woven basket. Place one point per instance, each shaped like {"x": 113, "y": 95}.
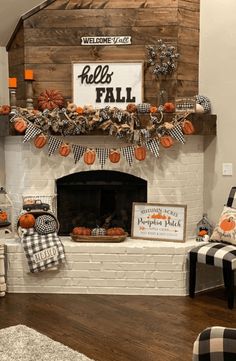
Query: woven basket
{"x": 100, "y": 239}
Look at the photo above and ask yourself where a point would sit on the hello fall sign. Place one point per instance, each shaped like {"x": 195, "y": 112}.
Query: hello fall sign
{"x": 108, "y": 84}
{"x": 162, "y": 222}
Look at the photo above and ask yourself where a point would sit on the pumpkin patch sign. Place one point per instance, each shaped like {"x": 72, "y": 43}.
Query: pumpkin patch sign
{"x": 161, "y": 222}
{"x": 108, "y": 84}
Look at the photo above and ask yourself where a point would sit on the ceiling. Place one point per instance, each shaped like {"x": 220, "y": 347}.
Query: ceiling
{"x": 11, "y": 11}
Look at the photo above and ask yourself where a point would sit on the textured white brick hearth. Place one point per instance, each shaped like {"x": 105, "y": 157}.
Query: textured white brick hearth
{"x": 132, "y": 267}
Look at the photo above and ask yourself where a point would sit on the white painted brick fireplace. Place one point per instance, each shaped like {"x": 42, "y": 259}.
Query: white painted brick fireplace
{"x": 130, "y": 267}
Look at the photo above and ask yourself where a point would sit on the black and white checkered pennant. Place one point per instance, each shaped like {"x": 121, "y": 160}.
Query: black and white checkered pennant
{"x": 128, "y": 153}
{"x": 177, "y": 133}
{"x": 153, "y": 146}
{"x": 53, "y": 144}
{"x": 78, "y": 151}
{"x": 31, "y": 132}
{"x": 102, "y": 154}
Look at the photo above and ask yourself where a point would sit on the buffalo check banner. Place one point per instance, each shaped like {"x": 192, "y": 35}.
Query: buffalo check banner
{"x": 31, "y": 132}
{"x": 53, "y": 144}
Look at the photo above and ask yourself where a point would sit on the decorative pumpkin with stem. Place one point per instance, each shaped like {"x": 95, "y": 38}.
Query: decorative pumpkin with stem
{"x": 3, "y": 216}
{"x": 40, "y": 140}
{"x": 81, "y": 231}
{"x": 27, "y": 220}
{"x": 114, "y": 156}
{"x": 50, "y": 99}
{"x": 64, "y": 149}
{"x": 115, "y": 231}
{"x": 140, "y": 153}
{"x": 20, "y": 125}
{"x": 187, "y": 127}
{"x": 89, "y": 156}
{"x": 166, "y": 141}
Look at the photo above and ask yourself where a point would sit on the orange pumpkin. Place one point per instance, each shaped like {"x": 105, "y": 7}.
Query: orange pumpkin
{"x": 50, "y": 99}
{"x": 81, "y": 231}
{"x": 40, "y": 140}
{"x": 131, "y": 108}
{"x": 166, "y": 141}
{"x": 79, "y": 110}
{"x": 169, "y": 107}
{"x": 202, "y": 233}
{"x": 20, "y": 125}
{"x": 89, "y": 156}
{"x": 227, "y": 224}
{"x": 64, "y": 149}
{"x": 114, "y": 156}
{"x": 3, "y": 216}
{"x": 140, "y": 153}
{"x": 153, "y": 109}
{"x": 27, "y": 220}
{"x": 5, "y": 109}
{"x": 188, "y": 127}
{"x": 115, "y": 231}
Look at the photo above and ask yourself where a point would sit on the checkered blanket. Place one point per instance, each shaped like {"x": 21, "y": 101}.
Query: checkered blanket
{"x": 42, "y": 251}
{"x": 215, "y": 344}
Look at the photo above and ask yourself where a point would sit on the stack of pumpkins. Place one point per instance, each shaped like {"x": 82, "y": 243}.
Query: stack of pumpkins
{"x": 98, "y": 231}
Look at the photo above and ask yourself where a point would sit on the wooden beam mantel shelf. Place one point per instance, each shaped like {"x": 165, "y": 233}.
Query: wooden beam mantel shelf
{"x": 204, "y": 124}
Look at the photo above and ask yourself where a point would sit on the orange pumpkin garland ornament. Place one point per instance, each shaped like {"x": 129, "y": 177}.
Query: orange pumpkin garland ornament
{"x": 187, "y": 127}
{"x": 20, "y": 125}
{"x": 166, "y": 141}
{"x": 114, "y": 156}
{"x": 89, "y": 156}
{"x": 140, "y": 153}
{"x": 40, "y": 140}
{"x": 64, "y": 149}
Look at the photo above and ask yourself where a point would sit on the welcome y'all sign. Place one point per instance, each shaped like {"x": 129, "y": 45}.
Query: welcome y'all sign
{"x": 108, "y": 84}
{"x": 106, "y": 40}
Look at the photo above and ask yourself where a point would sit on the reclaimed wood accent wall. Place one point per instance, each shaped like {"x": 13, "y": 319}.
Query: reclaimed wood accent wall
{"x": 49, "y": 40}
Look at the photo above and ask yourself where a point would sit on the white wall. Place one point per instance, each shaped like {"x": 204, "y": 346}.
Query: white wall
{"x": 217, "y": 81}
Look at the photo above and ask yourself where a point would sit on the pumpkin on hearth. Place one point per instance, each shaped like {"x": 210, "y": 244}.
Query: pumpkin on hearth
{"x": 89, "y": 156}
{"x": 187, "y": 127}
{"x": 114, "y": 156}
{"x": 115, "y": 231}
{"x": 50, "y": 99}
{"x": 64, "y": 149}
{"x": 20, "y": 125}
{"x": 40, "y": 140}
{"x": 166, "y": 141}
{"x": 140, "y": 153}
{"x": 3, "y": 216}
{"x": 98, "y": 231}
{"x": 27, "y": 220}
{"x": 81, "y": 231}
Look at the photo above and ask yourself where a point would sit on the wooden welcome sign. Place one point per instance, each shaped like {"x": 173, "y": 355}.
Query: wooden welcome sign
{"x": 108, "y": 84}
{"x": 163, "y": 222}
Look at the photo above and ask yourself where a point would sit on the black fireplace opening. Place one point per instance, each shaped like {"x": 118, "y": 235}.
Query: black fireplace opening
{"x": 99, "y": 198}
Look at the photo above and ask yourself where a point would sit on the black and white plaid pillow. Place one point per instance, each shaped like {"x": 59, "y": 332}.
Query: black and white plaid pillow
{"x": 45, "y": 224}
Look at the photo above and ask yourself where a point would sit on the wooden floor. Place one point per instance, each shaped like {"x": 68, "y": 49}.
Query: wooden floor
{"x": 120, "y": 328}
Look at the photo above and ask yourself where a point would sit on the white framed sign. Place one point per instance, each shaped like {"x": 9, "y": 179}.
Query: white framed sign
{"x": 163, "y": 222}
{"x": 107, "y": 83}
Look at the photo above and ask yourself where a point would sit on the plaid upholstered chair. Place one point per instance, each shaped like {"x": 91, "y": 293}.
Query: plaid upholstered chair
{"x": 215, "y": 344}
{"x": 216, "y": 254}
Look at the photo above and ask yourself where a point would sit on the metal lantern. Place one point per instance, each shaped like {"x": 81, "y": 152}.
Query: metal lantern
{"x": 6, "y": 214}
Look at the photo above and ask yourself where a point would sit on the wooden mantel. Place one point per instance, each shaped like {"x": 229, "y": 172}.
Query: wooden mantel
{"x": 204, "y": 124}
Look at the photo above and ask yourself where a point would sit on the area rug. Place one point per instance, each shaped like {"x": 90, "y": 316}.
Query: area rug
{"x": 21, "y": 343}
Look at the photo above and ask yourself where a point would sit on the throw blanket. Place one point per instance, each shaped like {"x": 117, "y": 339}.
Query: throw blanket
{"x": 42, "y": 250}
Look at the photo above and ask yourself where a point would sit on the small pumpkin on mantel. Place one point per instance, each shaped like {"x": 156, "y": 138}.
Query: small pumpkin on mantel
{"x": 166, "y": 141}
{"x": 64, "y": 149}
{"x": 50, "y": 99}
{"x": 114, "y": 156}
{"x": 40, "y": 140}
{"x": 140, "y": 153}
{"x": 89, "y": 156}
{"x": 20, "y": 125}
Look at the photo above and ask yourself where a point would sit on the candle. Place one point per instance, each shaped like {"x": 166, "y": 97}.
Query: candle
{"x": 29, "y": 75}
{"x": 12, "y": 83}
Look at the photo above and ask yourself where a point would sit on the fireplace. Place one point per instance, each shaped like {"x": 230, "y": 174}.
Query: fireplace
{"x": 98, "y": 198}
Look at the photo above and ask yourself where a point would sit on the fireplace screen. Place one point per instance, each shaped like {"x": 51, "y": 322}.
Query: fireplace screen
{"x": 98, "y": 198}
